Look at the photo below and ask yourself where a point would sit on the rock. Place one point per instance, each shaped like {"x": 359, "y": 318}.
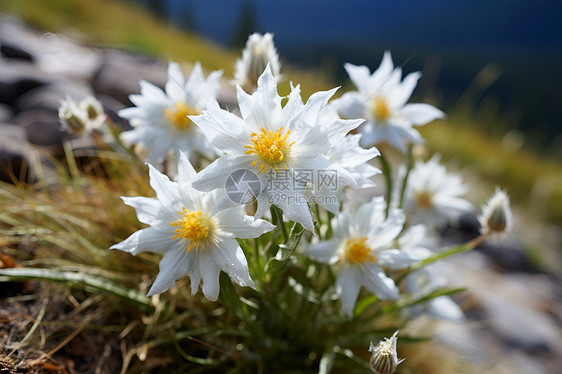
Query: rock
{"x": 54, "y": 54}
{"x": 120, "y": 73}
{"x": 111, "y": 107}
{"x": 522, "y": 327}
{"x": 51, "y": 95}
{"x": 12, "y": 51}
{"x": 6, "y": 113}
{"x": 42, "y": 127}
{"x": 18, "y": 78}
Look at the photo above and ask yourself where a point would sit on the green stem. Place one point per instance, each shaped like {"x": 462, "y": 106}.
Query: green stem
{"x": 410, "y": 165}
{"x": 277, "y": 216}
{"x": 386, "y": 170}
{"x": 446, "y": 253}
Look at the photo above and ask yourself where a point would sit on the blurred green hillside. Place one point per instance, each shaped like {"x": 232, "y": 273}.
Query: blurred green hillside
{"x": 471, "y": 136}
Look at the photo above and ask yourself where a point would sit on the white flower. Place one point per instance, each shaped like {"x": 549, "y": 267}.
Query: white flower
{"x": 381, "y": 99}
{"x": 73, "y": 119}
{"x": 349, "y": 154}
{"x": 282, "y": 146}
{"x": 362, "y": 244}
{"x": 258, "y": 52}
{"x": 432, "y": 196}
{"x": 193, "y": 237}
{"x": 496, "y": 215}
{"x": 384, "y": 359}
{"x": 160, "y": 119}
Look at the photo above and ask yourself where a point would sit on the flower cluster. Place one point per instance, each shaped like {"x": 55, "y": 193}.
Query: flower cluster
{"x": 279, "y": 162}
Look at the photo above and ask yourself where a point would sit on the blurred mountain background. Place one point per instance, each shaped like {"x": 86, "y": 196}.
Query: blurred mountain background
{"x": 519, "y": 41}
{"x": 493, "y": 67}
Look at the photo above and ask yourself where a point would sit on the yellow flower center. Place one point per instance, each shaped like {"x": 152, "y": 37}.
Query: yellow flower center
{"x": 178, "y": 115}
{"x": 194, "y": 227}
{"x": 380, "y": 109}
{"x": 271, "y": 147}
{"x": 423, "y": 199}
{"x": 357, "y": 251}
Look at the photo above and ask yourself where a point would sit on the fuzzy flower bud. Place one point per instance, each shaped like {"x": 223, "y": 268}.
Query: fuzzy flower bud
{"x": 91, "y": 107}
{"x": 72, "y": 118}
{"x": 258, "y": 52}
{"x": 496, "y": 214}
{"x": 385, "y": 359}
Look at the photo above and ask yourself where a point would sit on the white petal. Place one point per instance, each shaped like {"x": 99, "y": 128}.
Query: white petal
{"x": 420, "y": 114}
{"x": 241, "y": 226}
{"x": 174, "y": 85}
{"x": 394, "y": 259}
{"x": 222, "y": 129}
{"x": 166, "y": 190}
{"x": 196, "y": 78}
{"x": 245, "y": 102}
{"x": 315, "y": 103}
{"x": 210, "y": 273}
{"x": 146, "y": 240}
{"x": 351, "y": 105}
{"x": 175, "y": 263}
{"x": 404, "y": 91}
{"x": 295, "y": 208}
{"x": 348, "y": 283}
{"x": 186, "y": 172}
{"x": 230, "y": 258}
{"x": 149, "y": 210}
{"x": 326, "y": 251}
{"x": 375, "y": 280}
{"x": 385, "y": 233}
{"x": 359, "y": 75}
{"x": 215, "y": 175}
{"x": 341, "y": 226}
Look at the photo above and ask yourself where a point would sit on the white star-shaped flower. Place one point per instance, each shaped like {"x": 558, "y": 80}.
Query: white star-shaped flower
{"x": 258, "y": 52}
{"x": 432, "y": 196}
{"x": 160, "y": 118}
{"x": 362, "y": 244}
{"x": 381, "y": 99}
{"x": 193, "y": 237}
{"x": 283, "y": 146}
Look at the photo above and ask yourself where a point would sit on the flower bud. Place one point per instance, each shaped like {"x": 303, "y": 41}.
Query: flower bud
{"x": 385, "y": 359}
{"x": 91, "y": 107}
{"x": 496, "y": 214}
{"x": 258, "y": 52}
{"x": 72, "y": 118}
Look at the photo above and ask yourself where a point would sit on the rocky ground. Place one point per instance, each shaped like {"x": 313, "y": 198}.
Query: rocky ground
{"x": 514, "y": 311}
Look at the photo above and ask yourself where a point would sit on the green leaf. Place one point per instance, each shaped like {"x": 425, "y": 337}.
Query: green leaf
{"x": 363, "y": 304}
{"x": 281, "y": 259}
{"x": 436, "y": 293}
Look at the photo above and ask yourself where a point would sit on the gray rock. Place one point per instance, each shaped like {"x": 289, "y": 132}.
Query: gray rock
{"x": 522, "y": 327}
{"x": 42, "y": 127}
{"x": 18, "y": 78}
{"x": 12, "y": 51}
{"x": 54, "y": 54}
{"x": 51, "y": 95}
{"x": 6, "y": 113}
{"x": 120, "y": 73}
